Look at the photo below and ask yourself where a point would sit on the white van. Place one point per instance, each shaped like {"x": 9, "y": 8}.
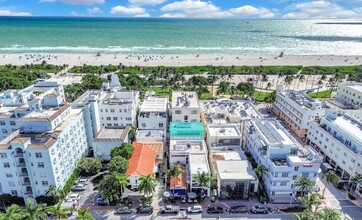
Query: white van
{"x": 195, "y": 209}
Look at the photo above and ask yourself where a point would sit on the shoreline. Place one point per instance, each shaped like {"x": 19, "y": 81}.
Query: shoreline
{"x": 180, "y": 59}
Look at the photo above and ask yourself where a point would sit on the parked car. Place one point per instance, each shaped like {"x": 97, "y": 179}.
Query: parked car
{"x": 74, "y": 196}
{"x": 101, "y": 201}
{"x": 259, "y": 209}
{"x": 169, "y": 209}
{"x": 123, "y": 210}
{"x": 82, "y": 181}
{"x": 238, "y": 209}
{"x": 215, "y": 210}
{"x": 194, "y": 209}
{"x": 79, "y": 187}
{"x": 145, "y": 209}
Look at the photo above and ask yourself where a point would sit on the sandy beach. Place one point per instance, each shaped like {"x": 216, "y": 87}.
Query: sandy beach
{"x": 180, "y": 60}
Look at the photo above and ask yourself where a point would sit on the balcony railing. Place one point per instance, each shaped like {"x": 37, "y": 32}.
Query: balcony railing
{"x": 21, "y": 165}
{"x": 28, "y": 192}
{"x": 23, "y": 174}
{"x": 18, "y": 155}
{"x": 25, "y": 183}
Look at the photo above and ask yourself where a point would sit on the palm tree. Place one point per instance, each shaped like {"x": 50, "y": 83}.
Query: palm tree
{"x": 55, "y": 193}
{"x": 59, "y": 212}
{"x": 147, "y": 185}
{"x": 175, "y": 172}
{"x": 355, "y": 181}
{"x": 301, "y": 78}
{"x": 203, "y": 179}
{"x": 13, "y": 212}
{"x": 319, "y": 86}
{"x": 305, "y": 215}
{"x": 329, "y": 177}
{"x": 122, "y": 181}
{"x": 34, "y": 212}
{"x": 166, "y": 174}
{"x": 312, "y": 199}
{"x": 304, "y": 184}
{"x": 260, "y": 170}
{"x": 223, "y": 88}
{"x": 329, "y": 213}
{"x": 84, "y": 214}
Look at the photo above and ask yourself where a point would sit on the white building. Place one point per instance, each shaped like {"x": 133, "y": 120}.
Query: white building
{"x": 44, "y": 153}
{"x": 107, "y": 139}
{"x": 227, "y": 111}
{"x": 235, "y": 179}
{"x": 151, "y": 136}
{"x": 153, "y": 113}
{"x": 14, "y": 104}
{"x": 339, "y": 139}
{"x": 198, "y": 163}
{"x": 223, "y": 136}
{"x": 342, "y": 107}
{"x": 272, "y": 146}
{"x": 185, "y": 107}
{"x": 180, "y": 150}
{"x": 350, "y": 92}
{"x": 297, "y": 110}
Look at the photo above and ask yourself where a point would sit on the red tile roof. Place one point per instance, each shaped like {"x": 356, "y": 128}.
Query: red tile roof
{"x": 181, "y": 180}
{"x": 218, "y": 157}
{"x": 156, "y": 147}
{"x": 142, "y": 161}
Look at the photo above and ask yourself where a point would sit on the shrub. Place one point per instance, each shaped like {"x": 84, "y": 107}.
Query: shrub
{"x": 71, "y": 181}
{"x": 90, "y": 166}
{"x": 48, "y": 200}
{"x": 8, "y": 199}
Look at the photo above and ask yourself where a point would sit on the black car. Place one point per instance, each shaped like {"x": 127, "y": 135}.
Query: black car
{"x": 238, "y": 209}
{"x": 123, "y": 210}
{"x": 146, "y": 209}
{"x": 215, "y": 210}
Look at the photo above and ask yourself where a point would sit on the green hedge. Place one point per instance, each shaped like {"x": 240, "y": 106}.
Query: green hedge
{"x": 71, "y": 181}
{"x": 48, "y": 200}
{"x": 7, "y": 199}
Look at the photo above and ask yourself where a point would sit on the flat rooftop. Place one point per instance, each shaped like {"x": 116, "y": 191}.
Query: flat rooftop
{"x": 338, "y": 104}
{"x": 301, "y": 98}
{"x": 184, "y": 99}
{"x": 227, "y": 155}
{"x": 351, "y": 126}
{"x": 198, "y": 164}
{"x": 224, "y": 111}
{"x": 45, "y": 114}
{"x": 223, "y": 130}
{"x": 356, "y": 86}
{"x": 154, "y": 104}
{"x": 188, "y": 146}
{"x": 274, "y": 132}
{"x": 235, "y": 170}
{"x": 111, "y": 134}
{"x": 70, "y": 118}
{"x": 150, "y": 133}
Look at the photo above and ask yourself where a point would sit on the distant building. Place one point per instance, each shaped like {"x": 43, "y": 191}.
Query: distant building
{"x": 43, "y": 153}
{"x": 297, "y": 110}
{"x": 338, "y": 138}
{"x": 153, "y": 113}
{"x": 151, "y": 136}
{"x": 185, "y": 107}
{"x": 107, "y": 139}
{"x": 350, "y": 92}
{"x": 272, "y": 146}
{"x": 198, "y": 163}
{"x": 180, "y": 150}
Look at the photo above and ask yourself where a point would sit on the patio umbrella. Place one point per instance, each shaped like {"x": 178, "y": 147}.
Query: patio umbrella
{"x": 167, "y": 194}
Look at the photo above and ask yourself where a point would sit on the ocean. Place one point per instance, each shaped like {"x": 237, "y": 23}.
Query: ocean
{"x": 179, "y": 36}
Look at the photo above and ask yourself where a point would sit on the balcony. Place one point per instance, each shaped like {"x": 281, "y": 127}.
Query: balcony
{"x": 25, "y": 183}
{"x": 23, "y": 174}
{"x": 21, "y": 165}
{"x": 18, "y": 154}
{"x": 28, "y": 192}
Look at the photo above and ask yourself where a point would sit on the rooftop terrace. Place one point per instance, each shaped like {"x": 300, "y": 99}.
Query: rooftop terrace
{"x": 191, "y": 146}
{"x": 224, "y": 130}
{"x": 301, "y": 98}
{"x": 184, "y": 99}
{"x": 154, "y": 104}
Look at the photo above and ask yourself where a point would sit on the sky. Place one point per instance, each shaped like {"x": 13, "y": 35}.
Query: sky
{"x": 264, "y": 9}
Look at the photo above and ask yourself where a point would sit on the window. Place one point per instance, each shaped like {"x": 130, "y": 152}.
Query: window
{"x": 4, "y": 131}
{"x": 112, "y": 110}
{"x": 115, "y": 124}
{"x": 285, "y": 174}
{"x": 294, "y": 177}
{"x": 125, "y": 110}
{"x": 292, "y": 186}
{"x": 14, "y": 192}
{"x": 128, "y": 119}
{"x": 194, "y": 112}
{"x": 296, "y": 168}
{"x": 2, "y": 122}
{"x": 305, "y": 174}
{"x": 160, "y": 125}
{"x": 6, "y": 165}
{"x": 178, "y": 112}
{"x": 40, "y": 164}
{"x": 3, "y": 155}
{"x": 115, "y": 118}
{"x": 106, "y": 110}
{"x": 101, "y": 110}
{"x": 44, "y": 183}
{"x": 143, "y": 125}
{"x": 11, "y": 183}
{"x": 9, "y": 175}
{"x": 343, "y": 162}
{"x": 108, "y": 118}
{"x": 283, "y": 183}
{"x": 274, "y": 183}
{"x": 38, "y": 155}
{"x": 275, "y": 174}
{"x": 120, "y": 110}
{"x": 109, "y": 124}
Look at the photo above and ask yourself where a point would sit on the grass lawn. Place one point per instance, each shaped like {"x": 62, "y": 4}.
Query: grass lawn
{"x": 322, "y": 94}
{"x": 260, "y": 95}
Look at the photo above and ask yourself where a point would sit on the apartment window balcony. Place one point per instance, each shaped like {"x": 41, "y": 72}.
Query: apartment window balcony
{"x": 25, "y": 183}
{"x": 21, "y": 165}
{"x": 28, "y": 192}
{"x": 18, "y": 155}
{"x": 23, "y": 174}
